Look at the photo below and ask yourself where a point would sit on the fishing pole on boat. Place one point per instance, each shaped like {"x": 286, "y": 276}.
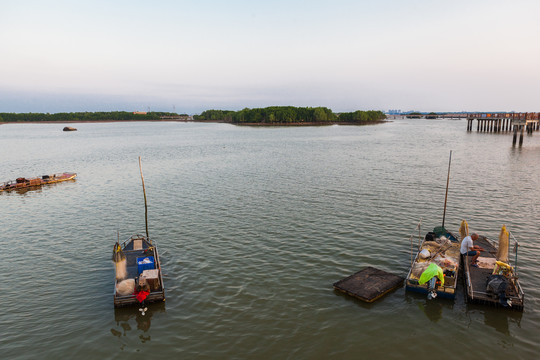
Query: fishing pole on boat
{"x": 145, "y": 203}
{"x": 447, "y": 182}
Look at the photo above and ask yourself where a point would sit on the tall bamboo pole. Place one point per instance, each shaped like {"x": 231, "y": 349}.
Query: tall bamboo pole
{"x": 447, "y": 182}
{"x": 145, "y": 204}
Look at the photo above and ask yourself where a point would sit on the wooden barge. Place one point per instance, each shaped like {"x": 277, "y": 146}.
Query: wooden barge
{"x": 480, "y": 279}
{"x": 26, "y": 183}
{"x": 143, "y": 269}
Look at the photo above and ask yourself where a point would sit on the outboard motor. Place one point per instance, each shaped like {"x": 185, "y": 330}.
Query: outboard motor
{"x": 496, "y": 286}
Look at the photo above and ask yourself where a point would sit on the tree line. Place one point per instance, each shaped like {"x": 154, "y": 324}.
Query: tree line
{"x": 289, "y": 115}
{"x": 268, "y": 115}
{"x": 82, "y": 116}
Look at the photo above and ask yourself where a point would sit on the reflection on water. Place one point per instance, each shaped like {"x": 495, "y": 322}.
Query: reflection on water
{"x": 354, "y": 300}
{"x": 128, "y": 319}
{"x": 253, "y": 226}
{"x": 432, "y": 309}
{"x": 500, "y": 320}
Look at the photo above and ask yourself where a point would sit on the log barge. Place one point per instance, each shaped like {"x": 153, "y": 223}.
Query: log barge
{"x": 494, "y": 280}
{"x": 27, "y": 183}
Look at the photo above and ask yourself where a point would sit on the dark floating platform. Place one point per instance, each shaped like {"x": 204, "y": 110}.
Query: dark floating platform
{"x": 369, "y": 284}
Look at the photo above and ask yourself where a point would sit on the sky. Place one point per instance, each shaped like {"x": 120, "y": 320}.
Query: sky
{"x": 190, "y": 56}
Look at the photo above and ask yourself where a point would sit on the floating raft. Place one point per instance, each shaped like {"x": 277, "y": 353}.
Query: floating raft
{"x": 369, "y": 284}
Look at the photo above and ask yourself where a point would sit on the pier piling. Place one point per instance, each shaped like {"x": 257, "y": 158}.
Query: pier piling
{"x": 504, "y": 122}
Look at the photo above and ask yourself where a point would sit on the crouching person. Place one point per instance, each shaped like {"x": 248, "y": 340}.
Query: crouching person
{"x": 430, "y": 276}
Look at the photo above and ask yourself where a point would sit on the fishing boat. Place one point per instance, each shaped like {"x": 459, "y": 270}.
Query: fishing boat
{"x": 138, "y": 273}
{"x": 142, "y": 269}
{"x": 435, "y": 268}
{"x": 26, "y": 183}
{"x": 493, "y": 280}
{"x": 439, "y": 247}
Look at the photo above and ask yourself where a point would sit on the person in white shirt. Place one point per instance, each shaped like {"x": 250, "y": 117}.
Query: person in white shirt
{"x": 468, "y": 248}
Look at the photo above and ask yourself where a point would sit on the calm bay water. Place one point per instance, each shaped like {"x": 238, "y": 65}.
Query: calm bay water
{"x": 253, "y": 226}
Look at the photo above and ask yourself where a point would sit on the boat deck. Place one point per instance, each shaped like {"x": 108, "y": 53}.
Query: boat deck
{"x": 447, "y": 257}
{"x": 131, "y": 260}
{"x": 145, "y": 249}
{"x": 476, "y": 278}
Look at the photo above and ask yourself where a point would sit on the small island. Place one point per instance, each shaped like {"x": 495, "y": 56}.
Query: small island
{"x": 290, "y": 115}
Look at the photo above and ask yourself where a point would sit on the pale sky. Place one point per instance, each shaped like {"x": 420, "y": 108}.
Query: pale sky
{"x": 189, "y": 56}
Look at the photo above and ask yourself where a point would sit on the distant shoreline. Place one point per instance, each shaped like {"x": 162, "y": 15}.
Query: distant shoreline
{"x": 91, "y": 121}
{"x": 322, "y": 123}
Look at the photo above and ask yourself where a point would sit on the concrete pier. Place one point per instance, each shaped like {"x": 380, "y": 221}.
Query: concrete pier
{"x": 504, "y": 122}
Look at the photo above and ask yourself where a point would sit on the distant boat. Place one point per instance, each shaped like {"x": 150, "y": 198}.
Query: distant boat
{"x": 138, "y": 275}
{"x": 69, "y": 128}
{"x": 26, "y": 183}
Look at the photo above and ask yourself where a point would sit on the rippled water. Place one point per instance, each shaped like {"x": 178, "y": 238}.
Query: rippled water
{"x": 253, "y": 226}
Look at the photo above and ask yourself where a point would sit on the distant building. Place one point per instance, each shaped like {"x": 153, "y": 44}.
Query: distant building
{"x": 140, "y": 112}
{"x": 394, "y": 112}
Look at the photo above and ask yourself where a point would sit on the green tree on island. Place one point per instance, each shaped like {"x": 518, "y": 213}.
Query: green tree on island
{"x": 289, "y": 115}
{"x": 83, "y": 116}
{"x": 414, "y": 115}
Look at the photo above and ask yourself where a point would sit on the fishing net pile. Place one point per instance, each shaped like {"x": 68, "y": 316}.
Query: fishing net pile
{"x": 120, "y": 263}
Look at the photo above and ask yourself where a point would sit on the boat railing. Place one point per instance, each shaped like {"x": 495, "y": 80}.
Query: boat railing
{"x": 137, "y": 236}
{"x": 516, "y": 274}
{"x": 521, "y": 294}
{"x": 516, "y": 247}
{"x": 420, "y": 238}
{"x": 489, "y": 241}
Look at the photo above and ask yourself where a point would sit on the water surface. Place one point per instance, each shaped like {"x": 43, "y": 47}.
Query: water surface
{"x": 253, "y": 226}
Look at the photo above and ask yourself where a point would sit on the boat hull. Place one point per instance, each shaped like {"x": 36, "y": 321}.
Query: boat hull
{"x": 444, "y": 254}
{"x": 132, "y": 252}
{"x": 28, "y": 183}
{"x": 447, "y": 293}
{"x": 475, "y": 279}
